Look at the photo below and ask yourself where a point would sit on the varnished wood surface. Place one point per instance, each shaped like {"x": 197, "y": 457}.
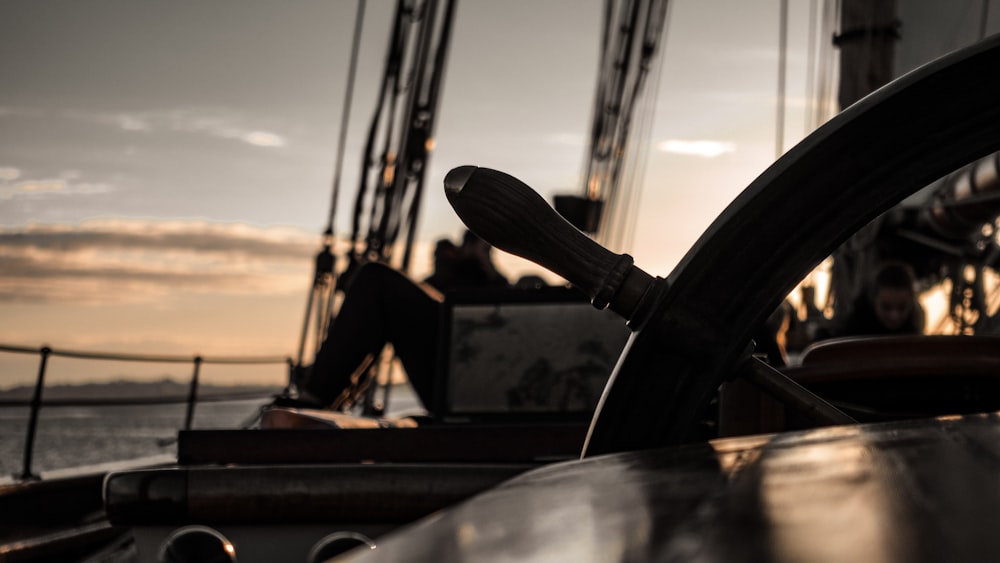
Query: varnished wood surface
{"x": 320, "y": 419}
{"x": 859, "y": 351}
{"x": 460, "y": 443}
{"x": 265, "y": 495}
{"x": 905, "y": 491}
{"x": 512, "y": 217}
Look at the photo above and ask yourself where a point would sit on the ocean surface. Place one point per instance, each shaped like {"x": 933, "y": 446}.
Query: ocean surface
{"x": 69, "y": 437}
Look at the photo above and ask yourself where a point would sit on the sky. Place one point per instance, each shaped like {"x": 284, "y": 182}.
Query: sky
{"x": 166, "y": 167}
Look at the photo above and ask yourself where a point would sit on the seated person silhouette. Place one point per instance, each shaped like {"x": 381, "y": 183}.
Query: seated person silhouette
{"x": 771, "y": 340}
{"x": 381, "y": 305}
{"x": 889, "y": 306}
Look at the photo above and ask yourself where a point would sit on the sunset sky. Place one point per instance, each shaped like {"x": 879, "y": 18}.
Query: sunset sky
{"x": 165, "y": 167}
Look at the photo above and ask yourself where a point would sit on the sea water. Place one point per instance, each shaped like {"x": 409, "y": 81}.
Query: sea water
{"x": 68, "y": 437}
{"x": 77, "y": 436}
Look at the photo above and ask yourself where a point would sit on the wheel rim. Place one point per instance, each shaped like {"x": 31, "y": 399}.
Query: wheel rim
{"x": 865, "y": 160}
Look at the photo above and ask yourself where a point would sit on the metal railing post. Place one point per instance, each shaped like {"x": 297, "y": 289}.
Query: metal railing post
{"x": 192, "y": 394}
{"x": 36, "y": 405}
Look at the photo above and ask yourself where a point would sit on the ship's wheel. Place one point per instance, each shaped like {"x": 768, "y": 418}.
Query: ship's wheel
{"x": 693, "y": 329}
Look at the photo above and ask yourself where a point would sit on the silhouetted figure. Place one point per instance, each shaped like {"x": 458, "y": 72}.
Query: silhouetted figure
{"x": 469, "y": 265}
{"x": 771, "y": 339}
{"x": 382, "y": 306}
{"x": 888, "y": 307}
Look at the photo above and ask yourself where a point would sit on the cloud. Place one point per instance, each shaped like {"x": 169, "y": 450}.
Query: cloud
{"x": 127, "y": 261}
{"x": 263, "y": 139}
{"x": 8, "y": 173}
{"x": 7, "y": 111}
{"x": 132, "y": 122}
{"x": 48, "y": 187}
{"x": 570, "y": 139}
{"x": 703, "y": 148}
{"x": 40, "y": 186}
{"x": 219, "y": 122}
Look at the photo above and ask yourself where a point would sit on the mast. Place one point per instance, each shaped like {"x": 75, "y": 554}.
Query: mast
{"x": 866, "y": 40}
{"x": 947, "y": 233}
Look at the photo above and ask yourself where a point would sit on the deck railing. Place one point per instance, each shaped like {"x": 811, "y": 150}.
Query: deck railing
{"x": 45, "y": 352}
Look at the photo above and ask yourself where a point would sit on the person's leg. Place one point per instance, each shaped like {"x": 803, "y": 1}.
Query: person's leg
{"x": 382, "y": 305}
{"x": 413, "y": 329}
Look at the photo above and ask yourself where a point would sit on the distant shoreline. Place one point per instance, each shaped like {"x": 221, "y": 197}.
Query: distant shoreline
{"x": 131, "y": 389}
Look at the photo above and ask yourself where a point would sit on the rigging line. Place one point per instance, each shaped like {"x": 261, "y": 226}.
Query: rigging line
{"x": 829, "y": 70}
{"x": 430, "y": 106}
{"x": 405, "y": 185}
{"x": 387, "y": 170}
{"x": 608, "y": 102}
{"x": 396, "y": 38}
{"x": 346, "y": 114}
{"x": 648, "y": 44}
{"x": 590, "y": 187}
{"x": 824, "y": 22}
{"x": 629, "y": 90}
{"x": 612, "y": 144}
{"x": 305, "y": 326}
{"x": 323, "y": 308}
{"x": 984, "y": 15}
{"x": 779, "y": 127}
{"x": 623, "y": 58}
{"x": 385, "y": 180}
{"x": 653, "y": 29}
{"x": 621, "y": 136}
{"x": 612, "y": 82}
{"x": 382, "y": 206}
{"x": 811, "y": 54}
{"x": 644, "y": 132}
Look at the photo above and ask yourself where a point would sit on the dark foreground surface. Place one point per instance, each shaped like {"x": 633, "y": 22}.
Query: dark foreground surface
{"x": 906, "y": 491}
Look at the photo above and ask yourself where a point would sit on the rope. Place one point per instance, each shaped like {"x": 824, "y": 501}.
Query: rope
{"x": 779, "y": 126}
{"x": 345, "y": 116}
{"x": 393, "y": 54}
{"x": 627, "y": 60}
